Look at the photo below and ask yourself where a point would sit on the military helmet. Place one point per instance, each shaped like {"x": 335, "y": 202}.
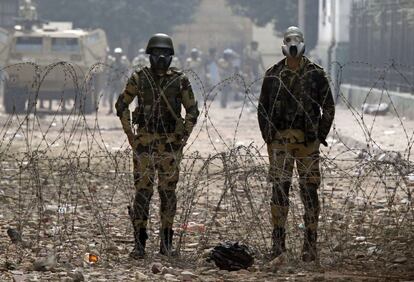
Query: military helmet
{"x": 194, "y": 53}
{"x": 141, "y": 51}
{"x": 160, "y": 40}
{"x": 228, "y": 54}
{"x": 118, "y": 50}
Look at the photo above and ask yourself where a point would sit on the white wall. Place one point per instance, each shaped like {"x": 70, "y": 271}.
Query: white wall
{"x": 325, "y": 21}
{"x": 334, "y": 26}
{"x": 343, "y": 14}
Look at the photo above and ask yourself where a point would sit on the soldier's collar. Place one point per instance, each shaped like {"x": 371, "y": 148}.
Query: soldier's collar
{"x": 302, "y": 63}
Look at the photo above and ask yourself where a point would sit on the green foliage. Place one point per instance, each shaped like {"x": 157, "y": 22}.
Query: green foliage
{"x": 281, "y": 13}
{"x": 128, "y": 23}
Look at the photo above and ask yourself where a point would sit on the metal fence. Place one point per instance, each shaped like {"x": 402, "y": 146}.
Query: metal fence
{"x": 381, "y": 36}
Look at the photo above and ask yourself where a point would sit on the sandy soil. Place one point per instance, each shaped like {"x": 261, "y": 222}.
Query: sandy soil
{"x": 71, "y": 200}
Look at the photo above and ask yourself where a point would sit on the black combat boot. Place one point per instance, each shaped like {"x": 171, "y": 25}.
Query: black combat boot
{"x": 278, "y": 242}
{"x": 309, "y": 252}
{"x": 139, "y": 249}
{"x": 166, "y": 235}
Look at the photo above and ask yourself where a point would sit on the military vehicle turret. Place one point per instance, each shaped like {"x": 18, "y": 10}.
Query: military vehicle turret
{"x": 50, "y": 61}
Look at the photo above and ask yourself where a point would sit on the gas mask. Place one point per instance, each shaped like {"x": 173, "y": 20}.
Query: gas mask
{"x": 160, "y": 59}
{"x": 293, "y": 43}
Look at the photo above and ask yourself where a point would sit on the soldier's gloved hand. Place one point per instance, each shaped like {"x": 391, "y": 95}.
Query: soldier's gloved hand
{"x": 323, "y": 142}
{"x": 185, "y": 138}
{"x": 182, "y": 138}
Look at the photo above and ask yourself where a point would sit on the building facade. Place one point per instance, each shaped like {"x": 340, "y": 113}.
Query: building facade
{"x": 215, "y": 26}
{"x": 381, "y": 44}
{"x": 333, "y": 36}
{"x": 359, "y": 39}
{"x": 8, "y": 12}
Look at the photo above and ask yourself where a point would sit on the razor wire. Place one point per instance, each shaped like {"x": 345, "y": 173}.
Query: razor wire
{"x": 64, "y": 179}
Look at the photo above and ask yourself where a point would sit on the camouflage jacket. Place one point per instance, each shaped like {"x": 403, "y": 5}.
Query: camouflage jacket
{"x": 294, "y": 100}
{"x": 153, "y": 114}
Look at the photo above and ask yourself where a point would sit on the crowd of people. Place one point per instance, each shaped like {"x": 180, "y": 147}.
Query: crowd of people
{"x": 215, "y": 72}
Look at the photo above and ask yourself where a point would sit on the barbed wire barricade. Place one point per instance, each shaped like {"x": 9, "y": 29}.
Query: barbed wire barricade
{"x": 66, "y": 180}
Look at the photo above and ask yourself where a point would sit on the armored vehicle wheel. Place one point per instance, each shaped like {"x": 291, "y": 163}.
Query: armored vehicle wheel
{"x": 14, "y": 100}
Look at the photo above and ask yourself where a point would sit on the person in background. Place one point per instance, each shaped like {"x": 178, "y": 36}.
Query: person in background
{"x": 254, "y": 66}
{"x": 119, "y": 72}
{"x": 141, "y": 60}
{"x": 194, "y": 66}
{"x": 211, "y": 69}
{"x": 182, "y": 54}
{"x": 226, "y": 71}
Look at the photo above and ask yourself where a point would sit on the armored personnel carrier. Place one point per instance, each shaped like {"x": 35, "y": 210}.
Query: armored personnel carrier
{"x": 51, "y": 61}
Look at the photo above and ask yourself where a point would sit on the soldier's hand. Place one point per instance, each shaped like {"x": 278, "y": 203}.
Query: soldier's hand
{"x": 185, "y": 138}
{"x": 182, "y": 138}
{"x": 323, "y": 142}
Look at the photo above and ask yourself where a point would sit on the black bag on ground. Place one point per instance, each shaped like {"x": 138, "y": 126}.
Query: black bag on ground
{"x": 231, "y": 256}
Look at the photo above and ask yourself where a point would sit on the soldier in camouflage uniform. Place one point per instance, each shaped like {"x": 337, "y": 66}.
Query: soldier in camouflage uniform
{"x": 294, "y": 92}
{"x": 161, "y": 134}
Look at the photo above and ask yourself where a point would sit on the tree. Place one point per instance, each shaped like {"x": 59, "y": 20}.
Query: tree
{"x": 128, "y": 23}
{"x": 281, "y": 13}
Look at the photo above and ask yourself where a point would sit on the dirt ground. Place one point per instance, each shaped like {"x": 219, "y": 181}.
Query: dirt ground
{"x": 66, "y": 181}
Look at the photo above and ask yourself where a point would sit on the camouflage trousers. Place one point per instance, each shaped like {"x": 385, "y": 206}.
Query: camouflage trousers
{"x": 282, "y": 159}
{"x": 161, "y": 155}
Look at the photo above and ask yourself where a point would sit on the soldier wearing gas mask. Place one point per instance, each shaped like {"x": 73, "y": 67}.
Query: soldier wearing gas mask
{"x": 157, "y": 136}
{"x": 295, "y": 113}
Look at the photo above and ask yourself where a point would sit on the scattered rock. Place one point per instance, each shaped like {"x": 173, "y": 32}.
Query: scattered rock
{"x": 14, "y": 235}
{"x": 9, "y": 265}
{"x": 170, "y": 277}
{"x": 77, "y": 276}
{"x": 375, "y": 109}
{"x": 243, "y": 272}
{"x": 207, "y": 252}
{"x": 318, "y": 278}
{"x": 276, "y": 263}
{"x": 188, "y": 276}
{"x": 112, "y": 248}
{"x": 373, "y": 250}
{"x": 211, "y": 271}
{"x": 253, "y": 269}
{"x": 337, "y": 247}
{"x": 359, "y": 255}
{"x": 139, "y": 276}
{"x": 170, "y": 270}
{"x": 360, "y": 239}
{"x": 400, "y": 260}
{"x": 156, "y": 267}
{"x": 18, "y": 276}
{"x": 337, "y": 216}
{"x": 45, "y": 264}
{"x": 290, "y": 270}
